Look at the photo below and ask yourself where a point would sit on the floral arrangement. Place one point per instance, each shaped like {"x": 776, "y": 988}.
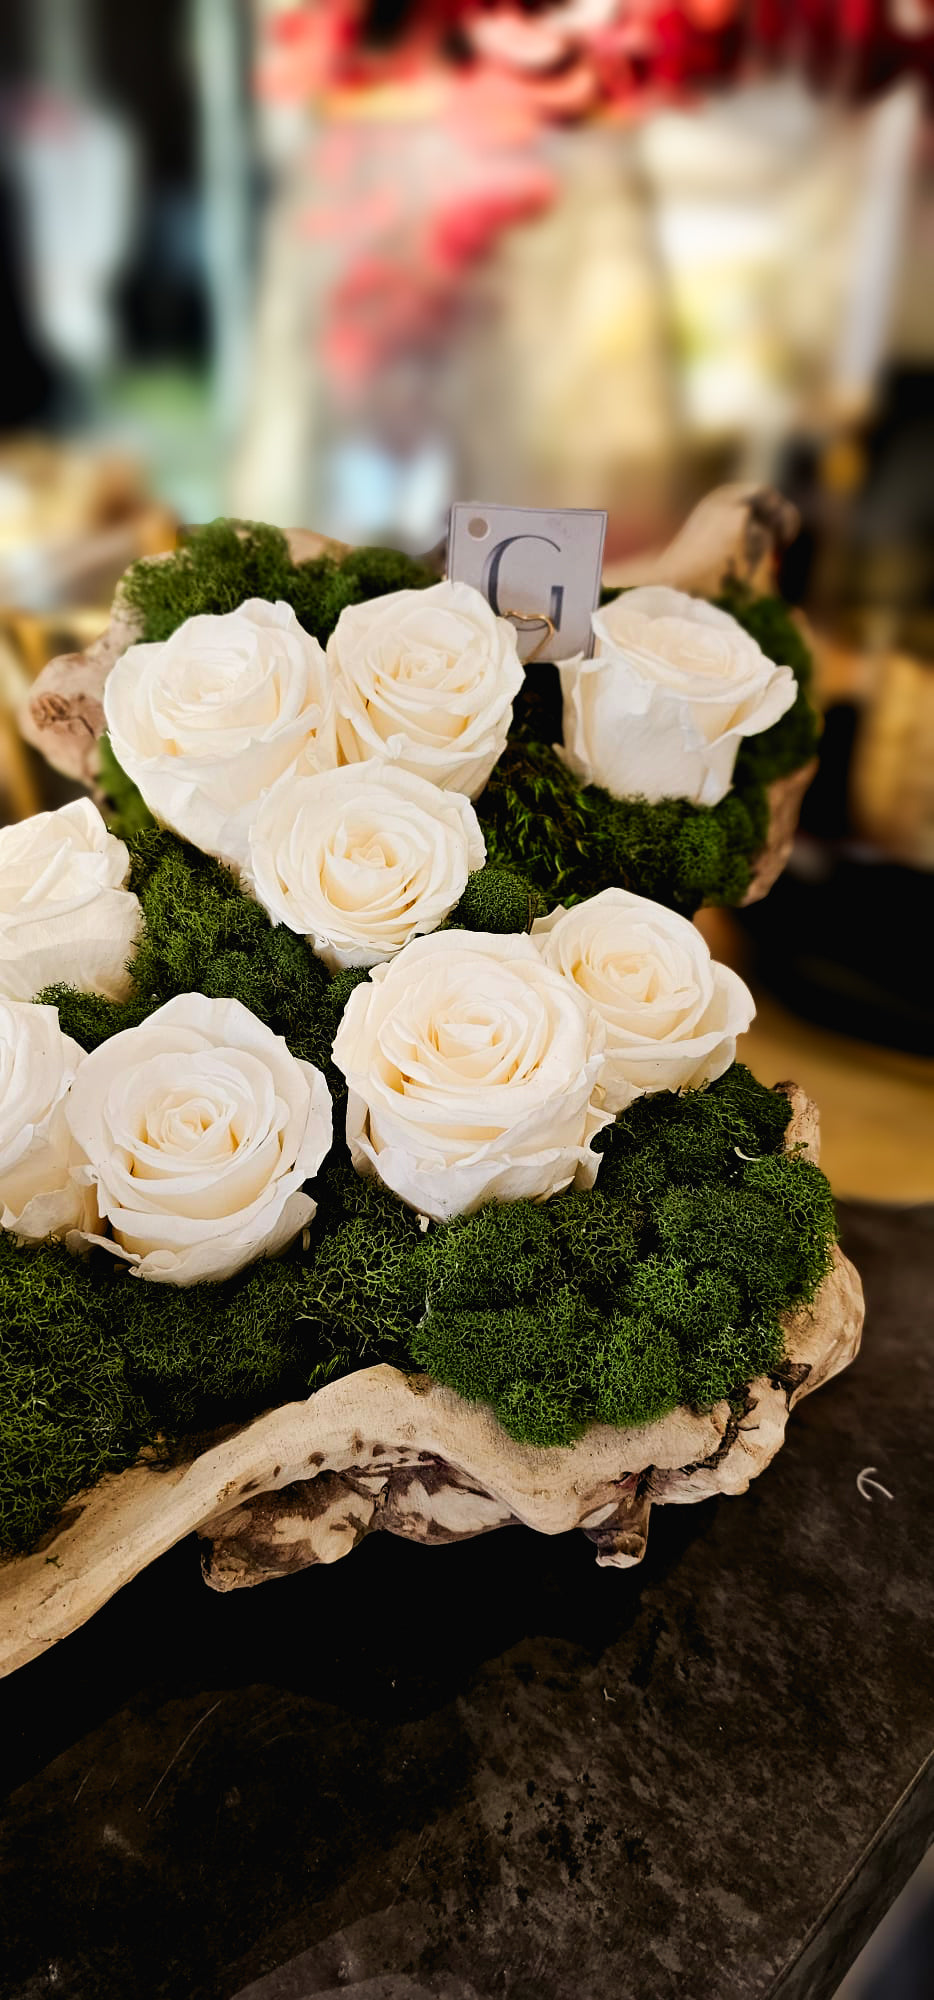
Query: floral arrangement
{"x": 373, "y": 1026}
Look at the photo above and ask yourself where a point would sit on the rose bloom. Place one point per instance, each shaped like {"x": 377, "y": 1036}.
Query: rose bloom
{"x": 426, "y": 679}
{"x": 206, "y": 722}
{"x": 671, "y": 1013}
{"x": 198, "y": 1131}
{"x": 473, "y": 1071}
{"x": 39, "y": 1195}
{"x": 361, "y": 860}
{"x": 660, "y": 712}
{"x": 65, "y": 915}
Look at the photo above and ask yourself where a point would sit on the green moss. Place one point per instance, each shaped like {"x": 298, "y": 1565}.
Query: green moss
{"x": 498, "y": 900}
{"x": 67, "y": 1412}
{"x": 694, "y": 1139}
{"x": 194, "y": 913}
{"x": 363, "y": 1285}
{"x": 664, "y": 1285}
{"x": 573, "y": 840}
{"x": 528, "y": 1359}
{"x": 127, "y": 812}
{"x": 772, "y": 1232}
{"x": 203, "y": 1355}
{"x": 503, "y": 1251}
{"x": 88, "y": 1018}
{"x": 635, "y": 1372}
{"x": 596, "y": 1239}
{"x": 220, "y": 565}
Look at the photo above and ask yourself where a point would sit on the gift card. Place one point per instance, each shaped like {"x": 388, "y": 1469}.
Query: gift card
{"x": 539, "y": 566}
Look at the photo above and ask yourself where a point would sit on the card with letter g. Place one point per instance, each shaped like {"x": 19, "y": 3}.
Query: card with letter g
{"x": 539, "y": 566}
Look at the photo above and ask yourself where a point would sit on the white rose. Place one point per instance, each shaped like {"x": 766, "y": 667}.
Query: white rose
{"x": 426, "y": 678}
{"x": 671, "y": 1013}
{"x": 199, "y": 1130}
{"x": 662, "y": 709}
{"x": 65, "y": 916}
{"x": 205, "y": 723}
{"x": 39, "y": 1196}
{"x": 361, "y": 860}
{"x": 473, "y": 1075}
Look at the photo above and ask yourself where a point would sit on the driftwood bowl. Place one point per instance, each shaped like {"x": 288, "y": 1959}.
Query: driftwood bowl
{"x": 383, "y": 1450}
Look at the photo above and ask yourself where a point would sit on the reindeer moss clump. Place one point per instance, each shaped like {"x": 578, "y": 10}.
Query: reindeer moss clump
{"x": 362, "y": 1287}
{"x": 498, "y": 900}
{"x": 201, "y": 934}
{"x": 90, "y": 1019}
{"x": 663, "y": 1286}
{"x": 205, "y": 1355}
{"x": 67, "y": 1413}
{"x": 571, "y": 840}
{"x": 220, "y": 565}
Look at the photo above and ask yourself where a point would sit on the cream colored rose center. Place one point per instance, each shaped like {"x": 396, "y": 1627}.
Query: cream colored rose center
{"x": 466, "y": 1044}
{"x": 636, "y": 985}
{"x": 195, "y": 1123}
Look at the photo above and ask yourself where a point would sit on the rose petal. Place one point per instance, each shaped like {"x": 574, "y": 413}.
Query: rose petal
{"x": 207, "y": 721}
{"x": 675, "y": 686}
{"x": 671, "y": 1015}
{"x": 198, "y": 1131}
{"x": 361, "y": 860}
{"x": 65, "y": 915}
{"x": 473, "y": 1074}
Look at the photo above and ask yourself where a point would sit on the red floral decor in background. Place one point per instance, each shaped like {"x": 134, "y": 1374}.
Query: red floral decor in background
{"x": 407, "y": 220}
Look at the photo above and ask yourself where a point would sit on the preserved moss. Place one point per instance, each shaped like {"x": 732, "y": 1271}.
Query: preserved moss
{"x": 699, "y": 1234}
{"x": 67, "y": 1412}
{"x": 663, "y": 1285}
{"x": 572, "y": 840}
{"x": 199, "y": 1356}
{"x": 221, "y": 564}
{"x": 498, "y": 900}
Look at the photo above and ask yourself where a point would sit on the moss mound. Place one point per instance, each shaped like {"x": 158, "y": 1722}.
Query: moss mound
{"x": 67, "y": 1413}
{"x": 663, "y": 1285}
{"x": 220, "y": 565}
{"x": 500, "y": 901}
{"x": 571, "y": 840}
{"x": 205, "y": 1355}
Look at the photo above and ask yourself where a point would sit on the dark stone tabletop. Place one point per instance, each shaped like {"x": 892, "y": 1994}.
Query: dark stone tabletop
{"x": 493, "y": 1769}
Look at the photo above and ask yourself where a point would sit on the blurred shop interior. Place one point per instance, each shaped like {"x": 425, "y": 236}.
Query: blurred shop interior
{"x": 339, "y": 263}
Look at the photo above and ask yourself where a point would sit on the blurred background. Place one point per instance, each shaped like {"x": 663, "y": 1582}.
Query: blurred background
{"x": 338, "y": 263}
